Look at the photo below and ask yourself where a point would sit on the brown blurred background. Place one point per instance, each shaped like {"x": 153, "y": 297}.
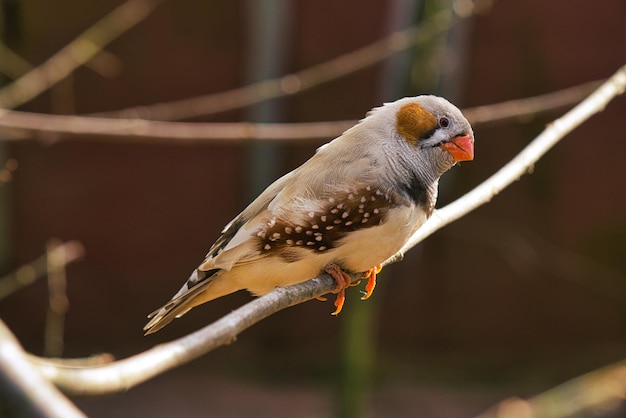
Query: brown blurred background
{"x": 520, "y": 295}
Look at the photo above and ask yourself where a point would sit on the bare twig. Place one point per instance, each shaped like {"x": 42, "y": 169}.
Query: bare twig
{"x": 14, "y": 66}
{"x": 76, "y": 53}
{"x": 23, "y": 125}
{"x": 524, "y": 109}
{"x": 11, "y": 64}
{"x": 89, "y": 47}
{"x": 91, "y": 361}
{"x": 29, "y": 273}
{"x": 292, "y": 83}
{"x": 592, "y": 394}
{"x": 58, "y": 305}
{"x": 523, "y": 162}
{"x": 39, "y": 397}
{"x": 127, "y": 373}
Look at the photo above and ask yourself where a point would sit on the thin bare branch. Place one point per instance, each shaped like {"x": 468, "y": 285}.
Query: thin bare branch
{"x": 76, "y": 53}
{"x": 592, "y": 394}
{"x": 29, "y": 273}
{"x": 292, "y": 83}
{"x": 58, "y": 302}
{"x": 524, "y": 109}
{"x": 12, "y": 65}
{"x": 523, "y": 162}
{"x": 39, "y": 397}
{"x": 91, "y": 361}
{"x": 23, "y": 125}
{"x": 129, "y": 372}
{"x": 51, "y": 128}
{"x": 310, "y": 77}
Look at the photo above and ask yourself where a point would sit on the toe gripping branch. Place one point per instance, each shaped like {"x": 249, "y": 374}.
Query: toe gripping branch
{"x": 370, "y": 275}
{"x": 344, "y": 281}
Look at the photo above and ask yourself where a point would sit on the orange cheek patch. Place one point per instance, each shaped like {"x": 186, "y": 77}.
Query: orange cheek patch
{"x": 413, "y": 122}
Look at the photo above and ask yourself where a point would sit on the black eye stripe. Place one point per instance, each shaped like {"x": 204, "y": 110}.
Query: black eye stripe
{"x": 429, "y": 134}
{"x": 444, "y": 122}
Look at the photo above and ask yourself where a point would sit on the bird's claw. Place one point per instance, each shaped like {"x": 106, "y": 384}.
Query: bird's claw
{"x": 343, "y": 281}
{"x": 341, "y": 298}
{"x": 370, "y": 275}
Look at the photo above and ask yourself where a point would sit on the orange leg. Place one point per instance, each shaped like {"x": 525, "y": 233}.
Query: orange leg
{"x": 370, "y": 275}
{"x": 343, "y": 281}
{"x": 341, "y": 298}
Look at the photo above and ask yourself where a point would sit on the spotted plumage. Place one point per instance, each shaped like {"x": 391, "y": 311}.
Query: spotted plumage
{"x": 322, "y": 230}
{"x": 347, "y": 209}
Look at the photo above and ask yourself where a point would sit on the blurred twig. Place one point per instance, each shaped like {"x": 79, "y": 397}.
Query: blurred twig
{"x": 525, "y": 109}
{"x": 12, "y": 65}
{"x": 129, "y": 372}
{"x": 23, "y": 125}
{"x": 292, "y": 83}
{"x": 35, "y": 395}
{"x": 29, "y": 273}
{"x": 76, "y": 53}
{"x": 89, "y": 47}
{"x": 7, "y": 170}
{"x": 593, "y": 394}
{"x": 56, "y": 260}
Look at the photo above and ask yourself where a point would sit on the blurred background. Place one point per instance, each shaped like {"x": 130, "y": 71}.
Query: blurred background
{"x": 522, "y": 294}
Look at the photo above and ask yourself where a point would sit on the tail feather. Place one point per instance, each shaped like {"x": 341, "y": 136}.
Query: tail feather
{"x": 175, "y": 308}
{"x": 185, "y": 299}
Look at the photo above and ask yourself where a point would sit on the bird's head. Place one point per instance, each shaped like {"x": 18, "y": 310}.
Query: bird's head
{"x": 432, "y": 123}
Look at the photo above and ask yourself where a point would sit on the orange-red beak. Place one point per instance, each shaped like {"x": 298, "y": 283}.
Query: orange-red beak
{"x": 461, "y": 148}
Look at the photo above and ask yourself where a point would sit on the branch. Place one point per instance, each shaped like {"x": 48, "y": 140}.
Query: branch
{"x": 526, "y": 108}
{"x": 58, "y": 302}
{"x": 25, "y": 126}
{"x": 297, "y": 82}
{"x": 14, "y": 66}
{"x": 35, "y": 393}
{"x": 129, "y": 372}
{"x": 78, "y": 52}
{"x": 592, "y": 394}
{"x": 29, "y": 273}
{"x": 90, "y": 44}
{"x": 11, "y": 64}
{"x": 51, "y": 128}
{"x": 523, "y": 162}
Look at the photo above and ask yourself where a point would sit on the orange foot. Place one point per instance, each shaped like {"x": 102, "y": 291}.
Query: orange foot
{"x": 370, "y": 275}
{"x": 343, "y": 281}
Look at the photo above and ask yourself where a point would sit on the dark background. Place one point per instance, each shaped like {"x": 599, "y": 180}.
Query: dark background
{"x": 520, "y": 295}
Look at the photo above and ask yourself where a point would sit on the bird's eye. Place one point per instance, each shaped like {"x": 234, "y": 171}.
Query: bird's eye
{"x": 444, "y": 122}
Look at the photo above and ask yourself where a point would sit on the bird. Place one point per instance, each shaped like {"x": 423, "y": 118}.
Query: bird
{"x": 346, "y": 210}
